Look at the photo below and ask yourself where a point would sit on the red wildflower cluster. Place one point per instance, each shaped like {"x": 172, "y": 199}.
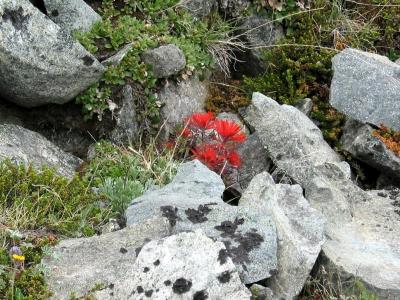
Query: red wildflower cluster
{"x": 214, "y": 141}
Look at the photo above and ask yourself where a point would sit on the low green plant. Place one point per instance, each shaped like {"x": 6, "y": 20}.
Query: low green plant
{"x": 144, "y": 25}
{"x": 122, "y": 174}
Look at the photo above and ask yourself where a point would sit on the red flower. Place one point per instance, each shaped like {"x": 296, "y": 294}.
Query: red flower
{"x": 229, "y": 130}
{"x": 208, "y": 155}
{"x": 186, "y": 132}
{"x": 201, "y": 120}
{"x": 234, "y": 159}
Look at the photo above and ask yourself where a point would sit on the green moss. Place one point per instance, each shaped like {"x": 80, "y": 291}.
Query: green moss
{"x": 145, "y": 24}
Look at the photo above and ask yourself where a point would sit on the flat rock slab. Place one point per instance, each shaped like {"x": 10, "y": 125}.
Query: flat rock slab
{"x": 300, "y": 231}
{"x": 103, "y": 262}
{"x": 40, "y": 63}
{"x": 24, "y": 146}
{"x": 193, "y": 201}
{"x": 182, "y": 266}
{"x": 72, "y": 14}
{"x": 366, "y": 87}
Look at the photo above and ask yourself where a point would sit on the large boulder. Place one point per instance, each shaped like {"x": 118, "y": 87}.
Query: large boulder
{"x": 183, "y": 266}
{"x": 365, "y": 87}
{"x": 71, "y": 15}
{"x": 165, "y": 60}
{"x": 361, "y": 227}
{"x": 40, "y": 63}
{"x": 180, "y": 100}
{"x": 78, "y": 266}
{"x": 24, "y": 146}
{"x": 358, "y": 139}
{"x": 300, "y": 230}
{"x": 193, "y": 201}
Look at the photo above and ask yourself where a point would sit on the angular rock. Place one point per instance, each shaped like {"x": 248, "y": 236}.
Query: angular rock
{"x": 24, "y": 146}
{"x": 79, "y": 265}
{"x": 181, "y": 100}
{"x": 290, "y": 138}
{"x": 358, "y": 140}
{"x": 165, "y": 60}
{"x": 305, "y": 106}
{"x": 72, "y": 14}
{"x": 300, "y": 230}
{"x": 127, "y": 127}
{"x": 193, "y": 201}
{"x": 116, "y": 59}
{"x": 199, "y": 8}
{"x": 260, "y": 292}
{"x": 257, "y": 31}
{"x": 40, "y": 63}
{"x": 182, "y": 266}
{"x": 365, "y": 87}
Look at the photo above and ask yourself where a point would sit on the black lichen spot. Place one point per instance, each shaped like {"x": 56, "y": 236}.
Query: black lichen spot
{"x": 55, "y": 13}
{"x": 171, "y": 213}
{"x": 223, "y": 256}
{"x": 148, "y": 293}
{"x": 87, "y": 60}
{"x": 198, "y": 215}
{"x": 157, "y": 262}
{"x": 224, "y": 277}
{"x": 274, "y": 272}
{"x": 167, "y": 282}
{"x": 137, "y": 250}
{"x": 228, "y": 228}
{"x": 140, "y": 289}
{"x": 181, "y": 286}
{"x": 200, "y": 295}
{"x": 111, "y": 286}
{"x": 123, "y": 250}
{"x": 146, "y": 269}
{"x": 16, "y": 17}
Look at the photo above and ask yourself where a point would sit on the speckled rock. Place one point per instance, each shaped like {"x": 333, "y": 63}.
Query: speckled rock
{"x": 72, "y": 14}
{"x": 365, "y": 86}
{"x": 24, "y": 146}
{"x": 358, "y": 139}
{"x": 182, "y": 266}
{"x": 300, "y": 230}
{"x": 165, "y": 60}
{"x": 103, "y": 262}
{"x": 40, "y": 63}
{"x": 193, "y": 201}
{"x": 199, "y": 8}
{"x": 292, "y": 140}
{"x": 233, "y": 8}
{"x": 180, "y": 100}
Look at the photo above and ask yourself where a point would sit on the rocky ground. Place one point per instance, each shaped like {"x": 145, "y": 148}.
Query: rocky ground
{"x": 224, "y": 149}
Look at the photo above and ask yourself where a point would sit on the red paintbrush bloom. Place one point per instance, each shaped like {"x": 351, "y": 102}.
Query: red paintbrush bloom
{"x": 234, "y": 159}
{"x": 186, "y": 132}
{"x": 229, "y": 130}
{"x": 208, "y": 155}
{"x": 201, "y": 120}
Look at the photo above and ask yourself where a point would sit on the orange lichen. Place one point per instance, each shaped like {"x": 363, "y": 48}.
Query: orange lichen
{"x": 390, "y": 137}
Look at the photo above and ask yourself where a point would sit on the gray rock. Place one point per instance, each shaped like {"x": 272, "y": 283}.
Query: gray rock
{"x": 77, "y": 266}
{"x": 24, "y": 146}
{"x": 127, "y": 127}
{"x": 40, "y": 63}
{"x": 256, "y": 31}
{"x": 358, "y": 140}
{"x": 193, "y": 201}
{"x": 365, "y": 87}
{"x": 260, "y": 292}
{"x": 71, "y": 15}
{"x": 182, "y": 266}
{"x": 290, "y": 138}
{"x": 368, "y": 247}
{"x": 300, "y": 230}
{"x": 233, "y": 8}
{"x": 180, "y": 100}
{"x": 199, "y": 8}
{"x": 305, "y": 106}
{"x": 116, "y": 59}
{"x": 165, "y": 60}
